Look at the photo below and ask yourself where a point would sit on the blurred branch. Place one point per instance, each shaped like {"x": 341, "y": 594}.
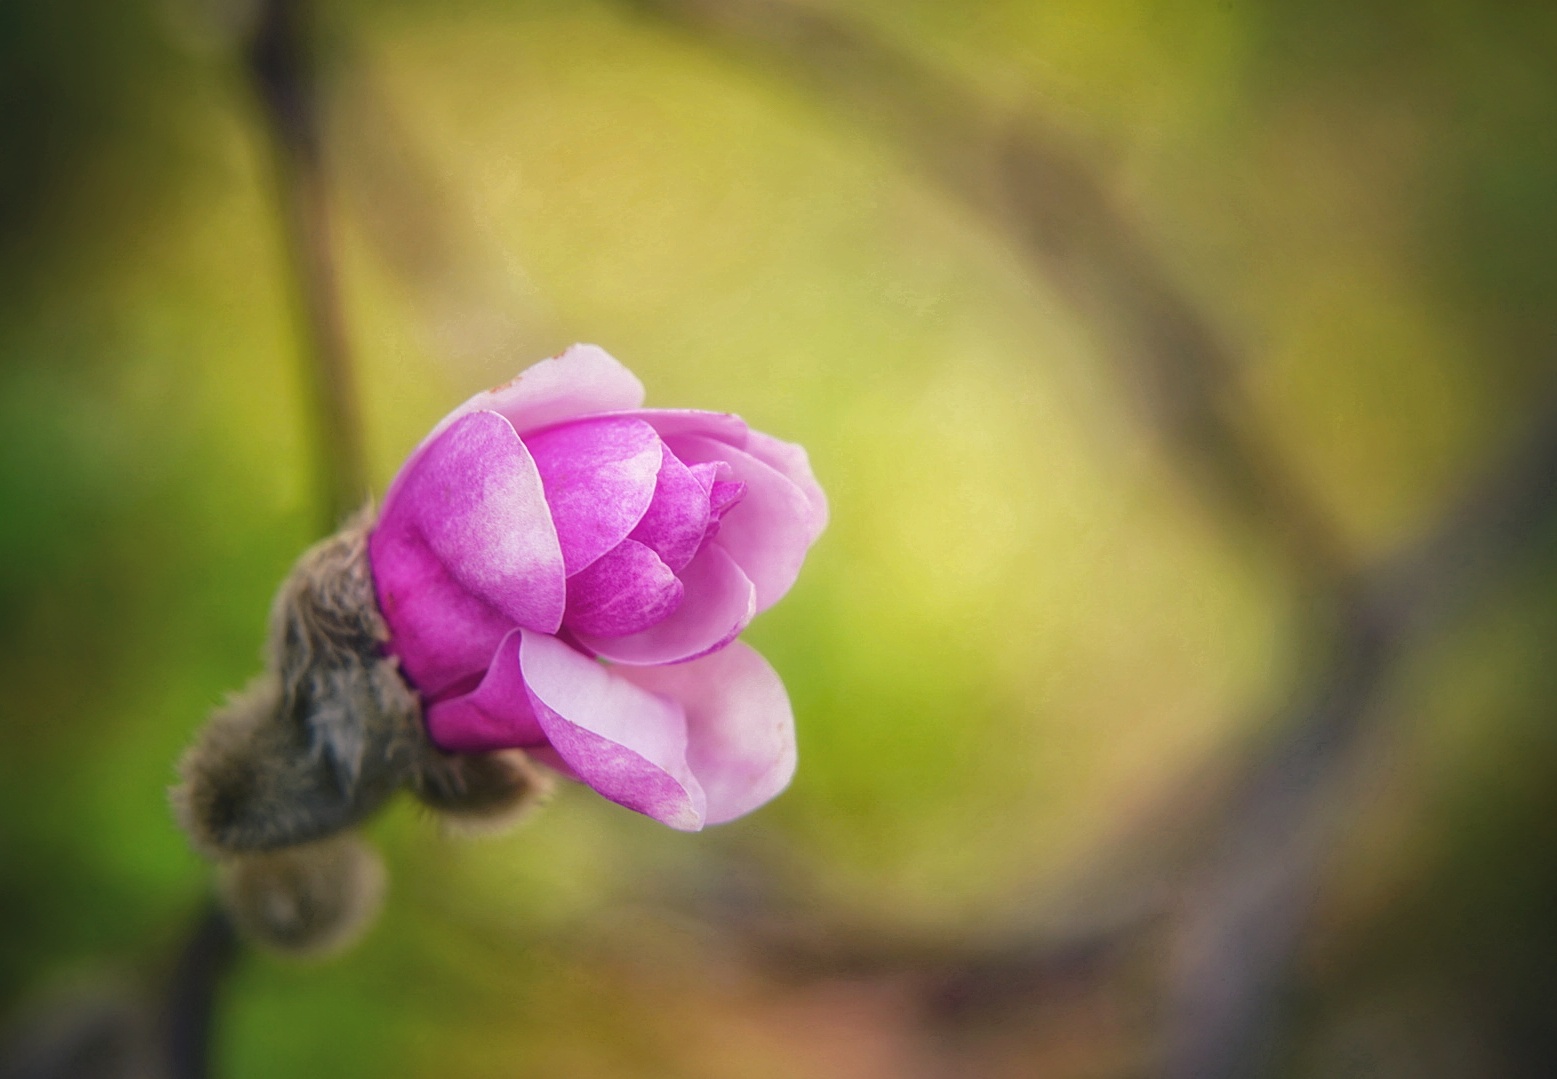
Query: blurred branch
{"x": 1245, "y": 912}
{"x": 1249, "y": 897}
{"x": 1033, "y": 190}
{"x": 281, "y": 61}
{"x": 208, "y": 956}
{"x": 471, "y": 298}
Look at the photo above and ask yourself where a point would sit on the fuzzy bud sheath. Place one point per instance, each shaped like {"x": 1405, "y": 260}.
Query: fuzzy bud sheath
{"x": 315, "y": 745}
{"x": 555, "y": 584}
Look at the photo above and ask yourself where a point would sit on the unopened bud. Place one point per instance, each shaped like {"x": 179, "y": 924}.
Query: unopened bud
{"x": 325, "y": 735}
{"x": 308, "y": 900}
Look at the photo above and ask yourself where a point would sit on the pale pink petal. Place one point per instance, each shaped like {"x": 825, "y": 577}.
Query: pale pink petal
{"x": 628, "y": 744}
{"x": 718, "y": 603}
{"x": 581, "y": 381}
{"x": 495, "y": 715}
{"x": 740, "y": 729}
{"x": 625, "y": 590}
{"x": 676, "y": 519}
{"x": 723, "y": 426}
{"x": 792, "y": 460}
{"x": 769, "y": 531}
{"x": 788, "y": 458}
{"x": 599, "y": 477}
{"x": 466, "y": 525}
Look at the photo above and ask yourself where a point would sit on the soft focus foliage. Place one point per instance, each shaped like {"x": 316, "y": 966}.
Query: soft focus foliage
{"x": 1022, "y": 630}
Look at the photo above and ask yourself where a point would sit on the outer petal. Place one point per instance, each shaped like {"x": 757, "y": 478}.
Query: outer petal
{"x": 724, "y": 426}
{"x": 441, "y": 632}
{"x": 497, "y": 714}
{"x": 476, "y": 498}
{"x": 769, "y": 531}
{"x": 740, "y": 729}
{"x": 793, "y": 461}
{"x": 580, "y": 381}
{"x": 465, "y": 548}
{"x": 599, "y": 475}
{"x": 625, "y": 742}
{"x": 719, "y": 601}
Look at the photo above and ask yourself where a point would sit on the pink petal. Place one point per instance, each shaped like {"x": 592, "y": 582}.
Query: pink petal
{"x": 789, "y": 459}
{"x": 769, "y": 531}
{"x": 723, "y": 426}
{"x": 495, "y": 715}
{"x": 580, "y": 381}
{"x": 439, "y": 630}
{"x": 553, "y": 760}
{"x": 625, "y": 590}
{"x": 599, "y": 476}
{"x": 740, "y": 729}
{"x": 718, "y": 603}
{"x": 466, "y": 527}
{"x": 627, "y": 743}
{"x": 792, "y": 461}
{"x": 723, "y": 497}
{"x": 676, "y": 519}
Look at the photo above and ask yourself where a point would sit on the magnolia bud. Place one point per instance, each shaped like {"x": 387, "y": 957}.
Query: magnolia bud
{"x": 308, "y": 900}
{"x": 325, "y": 735}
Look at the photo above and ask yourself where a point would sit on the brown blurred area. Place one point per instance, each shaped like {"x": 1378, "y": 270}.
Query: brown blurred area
{"x": 1174, "y": 682}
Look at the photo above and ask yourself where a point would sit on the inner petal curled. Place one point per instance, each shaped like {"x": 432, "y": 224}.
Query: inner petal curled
{"x": 625, "y": 590}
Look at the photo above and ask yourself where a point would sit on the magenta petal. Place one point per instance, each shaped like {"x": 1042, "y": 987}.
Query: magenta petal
{"x": 792, "y": 461}
{"x": 724, "y": 495}
{"x": 676, "y": 519}
{"x": 740, "y": 729}
{"x": 553, "y": 760}
{"x": 495, "y": 715}
{"x": 769, "y": 531}
{"x": 441, "y": 633}
{"x": 625, "y": 590}
{"x": 474, "y": 505}
{"x": 718, "y": 603}
{"x": 627, "y": 743}
{"x": 599, "y": 476}
{"x": 581, "y": 381}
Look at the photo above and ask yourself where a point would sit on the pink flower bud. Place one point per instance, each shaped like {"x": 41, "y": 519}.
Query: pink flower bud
{"x": 552, "y": 523}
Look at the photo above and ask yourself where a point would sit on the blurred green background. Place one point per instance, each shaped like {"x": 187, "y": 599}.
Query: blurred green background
{"x": 1025, "y": 635}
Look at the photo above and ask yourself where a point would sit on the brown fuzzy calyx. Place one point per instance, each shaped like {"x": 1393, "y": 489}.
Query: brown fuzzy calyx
{"x": 330, "y": 730}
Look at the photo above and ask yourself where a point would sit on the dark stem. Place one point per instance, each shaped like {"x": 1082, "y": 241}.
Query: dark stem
{"x": 283, "y": 66}
{"x": 208, "y": 956}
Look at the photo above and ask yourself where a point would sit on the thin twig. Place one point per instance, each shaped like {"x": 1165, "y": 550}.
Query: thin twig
{"x": 208, "y": 956}
{"x": 282, "y": 64}
{"x": 1035, "y": 190}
